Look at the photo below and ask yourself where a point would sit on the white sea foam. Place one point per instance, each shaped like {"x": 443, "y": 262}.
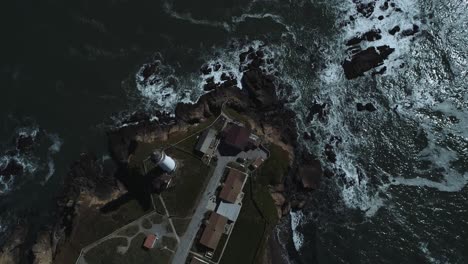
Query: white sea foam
{"x": 296, "y": 220}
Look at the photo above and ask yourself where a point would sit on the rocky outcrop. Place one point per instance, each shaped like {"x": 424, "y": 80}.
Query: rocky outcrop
{"x": 11, "y": 169}
{"x": 369, "y": 107}
{"x": 42, "y": 251}
{"x": 11, "y": 252}
{"x": 371, "y": 35}
{"x": 365, "y": 60}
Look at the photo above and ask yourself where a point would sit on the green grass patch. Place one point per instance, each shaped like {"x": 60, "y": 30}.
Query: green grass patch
{"x": 190, "y": 179}
{"x": 219, "y": 249}
{"x": 146, "y": 224}
{"x": 144, "y": 149}
{"x": 106, "y": 253}
{"x": 129, "y": 231}
{"x": 93, "y": 225}
{"x": 180, "y": 225}
{"x": 236, "y": 116}
{"x": 169, "y": 242}
{"x": 275, "y": 167}
{"x": 247, "y": 236}
{"x": 157, "y": 218}
{"x": 265, "y": 203}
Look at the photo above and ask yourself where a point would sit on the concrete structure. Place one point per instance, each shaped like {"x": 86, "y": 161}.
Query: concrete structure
{"x": 150, "y": 241}
{"x": 229, "y": 210}
{"x": 205, "y": 140}
{"x": 213, "y": 231}
{"x": 232, "y": 186}
{"x": 162, "y": 160}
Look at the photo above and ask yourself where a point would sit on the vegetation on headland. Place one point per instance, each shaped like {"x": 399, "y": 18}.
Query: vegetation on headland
{"x": 107, "y": 252}
{"x": 94, "y": 224}
{"x": 235, "y": 115}
{"x": 259, "y": 214}
{"x": 190, "y": 179}
{"x": 275, "y": 167}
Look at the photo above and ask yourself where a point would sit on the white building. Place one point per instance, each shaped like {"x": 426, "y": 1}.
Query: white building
{"x": 162, "y": 160}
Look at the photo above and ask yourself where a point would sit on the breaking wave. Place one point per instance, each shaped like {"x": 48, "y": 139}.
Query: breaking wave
{"x": 27, "y": 160}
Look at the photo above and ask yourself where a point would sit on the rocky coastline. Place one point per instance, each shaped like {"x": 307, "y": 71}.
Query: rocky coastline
{"x": 91, "y": 178}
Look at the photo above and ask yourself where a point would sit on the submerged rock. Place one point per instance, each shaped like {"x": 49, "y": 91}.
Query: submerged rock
{"x": 367, "y": 107}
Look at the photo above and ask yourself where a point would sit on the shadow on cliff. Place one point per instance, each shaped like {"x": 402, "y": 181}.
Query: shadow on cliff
{"x": 137, "y": 185}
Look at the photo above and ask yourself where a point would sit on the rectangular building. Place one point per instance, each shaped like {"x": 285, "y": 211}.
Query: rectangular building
{"x": 232, "y": 186}
{"x": 213, "y": 231}
{"x": 205, "y": 140}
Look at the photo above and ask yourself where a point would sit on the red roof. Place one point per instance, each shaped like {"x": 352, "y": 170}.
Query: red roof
{"x": 149, "y": 241}
{"x": 236, "y": 136}
{"x": 232, "y": 186}
{"x": 213, "y": 231}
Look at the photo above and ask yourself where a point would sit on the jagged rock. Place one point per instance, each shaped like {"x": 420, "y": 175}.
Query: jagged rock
{"x": 13, "y": 168}
{"x": 286, "y": 209}
{"x": 317, "y": 109}
{"x": 381, "y": 71}
{"x": 367, "y": 107}
{"x": 309, "y": 136}
{"x": 330, "y": 153}
{"x": 297, "y": 204}
{"x": 42, "y": 250}
{"x": 365, "y": 60}
{"x": 411, "y": 31}
{"x": 278, "y": 198}
{"x": 205, "y": 69}
{"x": 366, "y": 9}
{"x": 371, "y": 35}
{"x": 260, "y": 88}
{"x": 25, "y": 142}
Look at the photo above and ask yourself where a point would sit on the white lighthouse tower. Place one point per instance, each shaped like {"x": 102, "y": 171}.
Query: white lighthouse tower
{"x": 162, "y": 160}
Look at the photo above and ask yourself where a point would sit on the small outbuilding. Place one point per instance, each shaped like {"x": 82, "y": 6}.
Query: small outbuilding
{"x": 205, "y": 140}
{"x": 150, "y": 241}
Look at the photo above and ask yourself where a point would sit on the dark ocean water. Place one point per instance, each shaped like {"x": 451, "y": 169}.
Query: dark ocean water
{"x": 399, "y": 194}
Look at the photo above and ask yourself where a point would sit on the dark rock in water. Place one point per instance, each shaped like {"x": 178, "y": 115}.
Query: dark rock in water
{"x": 210, "y": 84}
{"x": 367, "y": 107}
{"x": 149, "y": 69}
{"x": 309, "y": 136}
{"x": 12, "y": 168}
{"x": 410, "y": 32}
{"x": 205, "y": 69}
{"x": 381, "y": 71}
{"x": 366, "y": 9}
{"x": 260, "y": 88}
{"x": 317, "y": 109}
{"x": 371, "y": 35}
{"x": 384, "y": 6}
{"x": 394, "y": 30}
{"x": 380, "y": 17}
{"x": 330, "y": 153}
{"x": 25, "y": 142}
{"x": 365, "y": 60}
